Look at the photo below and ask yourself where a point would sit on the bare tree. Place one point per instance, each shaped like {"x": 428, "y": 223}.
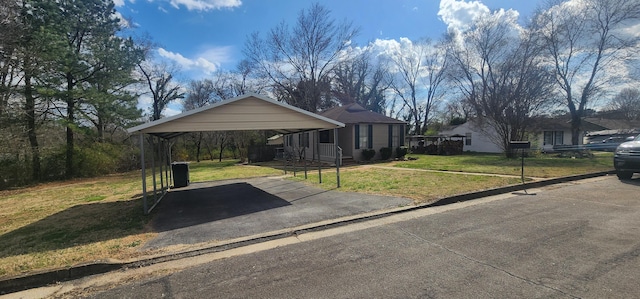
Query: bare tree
{"x": 200, "y": 93}
{"x": 499, "y": 73}
{"x": 420, "y": 72}
{"x": 299, "y": 61}
{"x": 361, "y": 80}
{"x": 588, "y": 47}
{"x": 158, "y": 79}
{"x": 627, "y": 102}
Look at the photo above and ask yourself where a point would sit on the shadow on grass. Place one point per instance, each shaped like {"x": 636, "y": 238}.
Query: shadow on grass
{"x": 183, "y": 208}
{"x": 77, "y": 225}
{"x": 97, "y": 222}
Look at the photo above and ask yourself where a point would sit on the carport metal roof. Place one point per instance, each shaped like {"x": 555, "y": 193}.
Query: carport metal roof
{"x": 246, "y": 112}
{"x": 243, "y": 113}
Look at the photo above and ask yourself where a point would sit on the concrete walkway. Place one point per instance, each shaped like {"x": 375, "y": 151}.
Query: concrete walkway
{"x": 453, "y": 172}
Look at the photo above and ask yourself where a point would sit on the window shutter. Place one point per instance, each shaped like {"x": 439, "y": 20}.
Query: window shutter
{"x": 357, "y": 131}
{"x": 390, "y": 136}
{"x": 401, "y": 141}
{"x": 370, "y": 137}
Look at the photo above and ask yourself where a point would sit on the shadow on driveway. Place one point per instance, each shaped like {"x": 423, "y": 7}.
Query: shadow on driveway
{"x": 216, "y": 211}
{"x": 184, "y": 208}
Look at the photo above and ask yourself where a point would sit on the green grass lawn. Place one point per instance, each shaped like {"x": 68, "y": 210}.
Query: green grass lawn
{"x": 422, "y": 187}
{"x": 541, "y": 166}
{"x": 65, "y": 223}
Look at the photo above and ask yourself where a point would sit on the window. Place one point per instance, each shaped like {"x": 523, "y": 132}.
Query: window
{"x": 326, "y": 136}
{"x": 559, "y": 137}
{"x": 303, "y": 139}
{"x": 553, "y": 137}
{"x": 288, "y": 140}
{"x": 363, "y": 136}
{"x": 467, "y": 139}
{"x": 394, "y": 136}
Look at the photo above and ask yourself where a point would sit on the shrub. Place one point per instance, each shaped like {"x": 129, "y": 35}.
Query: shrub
{"x": 385, "y": 153}
{"x": 401, "y": 151}
{"x": 367, "y": 154}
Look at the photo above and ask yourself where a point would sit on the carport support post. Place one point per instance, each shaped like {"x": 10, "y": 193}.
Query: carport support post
{"x": 165, "y": 159}
{"x": 153, "y": 168}
{"x": 338, "y": 156}
{"x": 144, "y": 175}
{"x": 169, "y": 164}
{"x": 318, "y": 151}
{"x": 161, "y": 157}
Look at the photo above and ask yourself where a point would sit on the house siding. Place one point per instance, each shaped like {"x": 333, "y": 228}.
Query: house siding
{"x": 379, "y": 139}
{"x": 566, "y": 140}
{"x": 479, "y": 141}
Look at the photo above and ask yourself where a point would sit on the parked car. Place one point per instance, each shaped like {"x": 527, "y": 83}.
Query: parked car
{"x": 626, "y": 159}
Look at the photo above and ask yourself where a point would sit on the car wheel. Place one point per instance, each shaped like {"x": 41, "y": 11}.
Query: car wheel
{"x": 624, "y": 175}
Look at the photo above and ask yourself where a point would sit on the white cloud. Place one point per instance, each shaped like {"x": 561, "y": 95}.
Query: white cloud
{"x": 205, "y": 4}
{"x": 206, "y": 62}
{"x": 386, "y": 47}
{"x": 118, "y": 3}
{"x": 460, "y": 15}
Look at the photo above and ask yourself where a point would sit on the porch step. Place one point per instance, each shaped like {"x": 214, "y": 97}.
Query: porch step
{"x": 348, "y": 161}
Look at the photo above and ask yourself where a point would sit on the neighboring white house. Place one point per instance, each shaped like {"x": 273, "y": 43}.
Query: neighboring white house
{"x": 545, "y": 134}
{"x": 475, "y": 139}
{"x": 275, "y": 140}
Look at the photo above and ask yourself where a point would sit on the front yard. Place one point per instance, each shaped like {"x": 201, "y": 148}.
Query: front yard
{"x": 65, "y": 223}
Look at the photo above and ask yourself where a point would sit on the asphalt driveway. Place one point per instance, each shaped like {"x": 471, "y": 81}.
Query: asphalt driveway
{"x": 222, "y": 210}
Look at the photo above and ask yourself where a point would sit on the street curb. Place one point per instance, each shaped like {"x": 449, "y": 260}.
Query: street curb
{"x": 39, "y": 279}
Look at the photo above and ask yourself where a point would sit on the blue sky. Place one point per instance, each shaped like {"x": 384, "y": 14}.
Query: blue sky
{"x": 204, "y": 35}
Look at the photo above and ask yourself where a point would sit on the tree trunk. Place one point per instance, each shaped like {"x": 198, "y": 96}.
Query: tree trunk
{"x": 30, "y": 113}
{"x": 576, "y": 123}
{"x": 198, "y": 146}
{"x": 70, "y": 121}
{"x": 220, "y": 154}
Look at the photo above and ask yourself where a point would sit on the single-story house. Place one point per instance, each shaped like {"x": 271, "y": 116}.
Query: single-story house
{"x": 364, "y": 129}
{"x": 612, "y": 130}
{"x": 546, "y": 133}
{"x": 277, "y": 139}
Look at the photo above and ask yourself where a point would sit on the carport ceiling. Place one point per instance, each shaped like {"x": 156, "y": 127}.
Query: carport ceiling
{"x": 243, "y": 113}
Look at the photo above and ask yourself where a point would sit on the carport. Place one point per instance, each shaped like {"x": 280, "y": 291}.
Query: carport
{"x": 243, "y": 113}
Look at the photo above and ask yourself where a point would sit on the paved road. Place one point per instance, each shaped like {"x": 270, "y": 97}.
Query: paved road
{"x": 578, "y": 240}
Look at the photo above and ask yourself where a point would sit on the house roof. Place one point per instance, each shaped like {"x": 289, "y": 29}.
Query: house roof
{"x": 612, "y": 124}
{"x": 561, "y": 124}
{"x": 355, "y": 114}
{"x": 246, "y": 112}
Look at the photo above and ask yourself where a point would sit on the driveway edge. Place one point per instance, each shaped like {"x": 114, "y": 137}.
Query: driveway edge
{"x": 39, "y": 279}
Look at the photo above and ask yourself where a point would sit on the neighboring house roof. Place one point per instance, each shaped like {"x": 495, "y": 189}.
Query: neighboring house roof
{"x": 561, "y": 124}
{"x": 589, "y": 124}
{"x": 628, "y": 132}
{"x": 275, "y": 137}
{"x": 356, "y": 114}
{"x": 612, "y": 124}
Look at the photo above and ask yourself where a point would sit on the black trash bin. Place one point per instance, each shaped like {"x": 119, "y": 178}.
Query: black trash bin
{"x": 180, "y": 174}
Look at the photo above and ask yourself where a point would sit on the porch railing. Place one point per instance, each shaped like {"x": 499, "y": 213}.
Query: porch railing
{"x": 327, "y": 151}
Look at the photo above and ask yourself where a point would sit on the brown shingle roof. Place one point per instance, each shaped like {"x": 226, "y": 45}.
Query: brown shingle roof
{"x": 356, "y": 114}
